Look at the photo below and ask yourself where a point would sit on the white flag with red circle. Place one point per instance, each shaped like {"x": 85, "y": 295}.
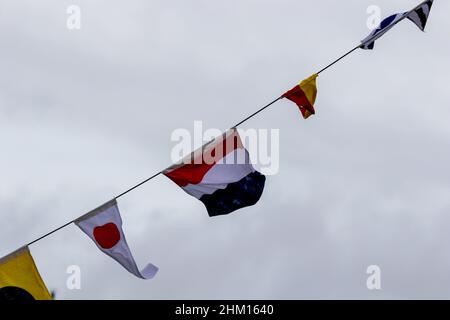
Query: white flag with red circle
{"x": 104, "y": 226}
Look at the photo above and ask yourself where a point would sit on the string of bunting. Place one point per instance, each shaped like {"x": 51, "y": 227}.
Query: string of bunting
{"x": 223, "y": 185}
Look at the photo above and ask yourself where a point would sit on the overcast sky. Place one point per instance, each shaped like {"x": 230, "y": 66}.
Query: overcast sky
{"x": 86, "y": 114}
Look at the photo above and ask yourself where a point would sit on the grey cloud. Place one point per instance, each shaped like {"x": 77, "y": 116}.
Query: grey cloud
{"x": 85, "y": 114}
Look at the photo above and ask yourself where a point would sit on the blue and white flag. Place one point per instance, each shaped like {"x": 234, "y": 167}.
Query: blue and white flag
{"x": 385, "y": 26}
{"x": 419, "y": 16}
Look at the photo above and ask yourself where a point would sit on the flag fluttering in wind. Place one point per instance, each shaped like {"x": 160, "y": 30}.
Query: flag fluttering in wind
{"x": 220, "y": 175}
{"x": 418, "y": 15}
{"x": 304, "y": 95}
{"x": 104, "y": 226}
{"x": 20, "y": 279}
{"x": 387, "y": 24}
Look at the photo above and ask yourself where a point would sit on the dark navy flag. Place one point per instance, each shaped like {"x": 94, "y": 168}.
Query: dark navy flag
{"x": 419, "y": 16}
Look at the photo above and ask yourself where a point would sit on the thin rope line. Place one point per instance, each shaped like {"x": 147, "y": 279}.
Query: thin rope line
{"x": 162, "y": 171}
{"x": 238, "y": 124}
{"x": 338, "y": 59}
{"x": 235, "y": 126}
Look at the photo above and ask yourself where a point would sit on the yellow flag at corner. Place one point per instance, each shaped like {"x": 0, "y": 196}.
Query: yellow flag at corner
{"x": 20, "y": 279}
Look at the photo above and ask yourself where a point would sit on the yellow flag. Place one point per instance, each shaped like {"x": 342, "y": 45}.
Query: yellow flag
{"x": 20, "y": 279}
{"x": 304, "y": 95}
